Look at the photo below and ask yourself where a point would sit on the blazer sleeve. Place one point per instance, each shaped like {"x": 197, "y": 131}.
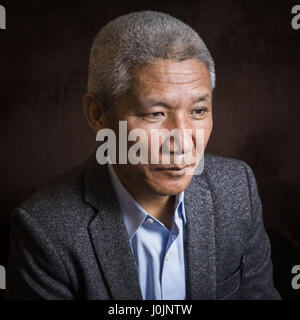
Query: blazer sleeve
{"x": 35, "y": 267}
{"x": 257, "y": 278}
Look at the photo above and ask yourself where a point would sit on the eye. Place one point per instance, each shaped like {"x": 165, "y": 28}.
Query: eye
{"x": 199, "y": 112}
{"x": 154, "y": 116}
{"x": 157, "y": 115}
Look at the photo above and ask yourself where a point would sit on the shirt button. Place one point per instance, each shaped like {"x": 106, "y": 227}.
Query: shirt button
{"x": 150, "y": 220}
{"x": 168, "y": 257}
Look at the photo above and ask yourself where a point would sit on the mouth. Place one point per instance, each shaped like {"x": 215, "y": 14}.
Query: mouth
{"x": 174, "y": 170}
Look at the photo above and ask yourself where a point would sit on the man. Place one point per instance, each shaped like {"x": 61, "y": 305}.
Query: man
{"x": 146, "y": 230}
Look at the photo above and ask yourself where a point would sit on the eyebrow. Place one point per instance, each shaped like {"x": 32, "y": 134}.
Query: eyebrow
{"x": 154, "y": 102}
{"x": 202, "y": 98}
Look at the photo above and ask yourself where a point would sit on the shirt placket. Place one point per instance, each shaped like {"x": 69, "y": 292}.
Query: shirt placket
{"x": 170, "y": 269}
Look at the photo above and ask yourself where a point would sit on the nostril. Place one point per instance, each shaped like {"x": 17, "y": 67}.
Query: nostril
{"x": 176, "y": 152}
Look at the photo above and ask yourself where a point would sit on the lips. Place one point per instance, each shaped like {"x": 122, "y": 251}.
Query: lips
{"x": 173, "y": 171}
{"x": 173, "y": 168}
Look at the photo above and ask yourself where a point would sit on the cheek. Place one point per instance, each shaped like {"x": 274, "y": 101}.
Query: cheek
{"x": 208, "y": 130}
{"x": 205, "y": 128}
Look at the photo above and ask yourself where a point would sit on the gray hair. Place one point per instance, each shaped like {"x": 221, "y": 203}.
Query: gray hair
{"x": 137, "y": 39}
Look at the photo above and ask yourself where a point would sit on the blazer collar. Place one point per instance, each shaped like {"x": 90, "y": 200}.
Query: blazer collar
{"x": 109, "y": 235}
{"x": 112, "y": 247}
{"x": 201, "y": 250}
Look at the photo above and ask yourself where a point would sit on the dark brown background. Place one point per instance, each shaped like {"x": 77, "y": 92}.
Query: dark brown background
{"x": 43, "y": 74}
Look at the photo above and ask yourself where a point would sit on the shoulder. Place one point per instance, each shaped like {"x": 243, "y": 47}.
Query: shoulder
{"x": 227, "y": 172}
{"x": 214, "y": 163}
{"x": 64, "y": 189}
{"x": 57, "y": 208}
{"x": 232, "y": 186}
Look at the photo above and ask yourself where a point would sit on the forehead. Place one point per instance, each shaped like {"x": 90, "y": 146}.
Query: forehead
{"x": 170, "y": 78}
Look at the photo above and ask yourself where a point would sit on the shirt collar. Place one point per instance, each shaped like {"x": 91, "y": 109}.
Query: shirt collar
{"x": 134, "y": 214}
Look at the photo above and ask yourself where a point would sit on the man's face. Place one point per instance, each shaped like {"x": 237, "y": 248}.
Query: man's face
{"x": 165, "y": 95}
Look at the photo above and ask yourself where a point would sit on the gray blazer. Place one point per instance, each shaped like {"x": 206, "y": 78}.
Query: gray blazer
{"x": 69, "y": 240}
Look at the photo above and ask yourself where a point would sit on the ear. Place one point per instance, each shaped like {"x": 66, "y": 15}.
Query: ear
{"x": 94, "y": 112}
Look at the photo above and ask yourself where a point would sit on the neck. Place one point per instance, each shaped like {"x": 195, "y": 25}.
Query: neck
{"x": 158, "y": 206}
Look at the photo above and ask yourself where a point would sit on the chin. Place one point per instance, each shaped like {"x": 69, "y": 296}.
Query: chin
{"x": 168, "y": 187}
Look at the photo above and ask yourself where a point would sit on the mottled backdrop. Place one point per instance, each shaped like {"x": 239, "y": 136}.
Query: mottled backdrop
{"x": 43, "y": 73}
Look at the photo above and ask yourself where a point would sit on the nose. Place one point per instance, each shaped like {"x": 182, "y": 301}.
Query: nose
{"x": 180, "y": 139}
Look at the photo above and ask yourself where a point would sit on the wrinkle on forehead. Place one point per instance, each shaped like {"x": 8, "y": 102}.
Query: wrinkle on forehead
{"x": 176, "y": 83}
{"x": 169, "y": 82}
{"x": 168, "y": 72}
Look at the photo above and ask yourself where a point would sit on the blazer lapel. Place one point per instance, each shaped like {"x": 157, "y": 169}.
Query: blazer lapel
{"x": 109, "y": 235}
{"x": 201, "y": 262}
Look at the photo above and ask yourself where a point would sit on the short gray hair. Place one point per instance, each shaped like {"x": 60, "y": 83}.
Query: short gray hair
{"x": 137, "y": 39}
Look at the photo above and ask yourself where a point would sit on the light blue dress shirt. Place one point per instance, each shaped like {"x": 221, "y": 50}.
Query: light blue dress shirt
{"x": 158, "y": 252}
